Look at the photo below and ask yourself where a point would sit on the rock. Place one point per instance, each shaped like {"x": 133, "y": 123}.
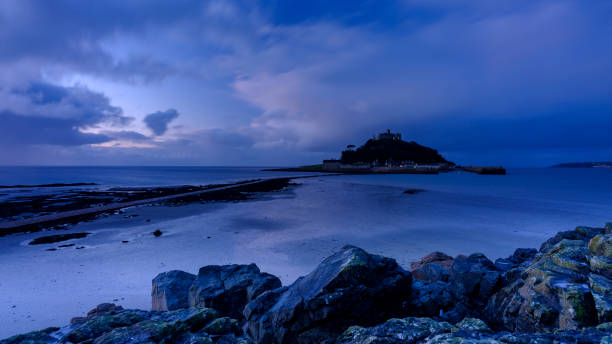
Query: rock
{"x": 149, "y": 331}
{"x": 473, "y": 324}
{"x": 431, "y": 299}
{"x": 601, "y": 288}
{"x": 229, "y": 288}
{"x": 435, "y": 257}
{"x": 157, "y": 233}
{"x": 552, "y": 291}
{"x": 351, "y": 287}
{"x": 99, "y": 324}
{"x": 433, "y": 267}
{"x": 100, "y": 309}
{"x": 474, "y": 278}
{"x": 171, "y": 290}
{"x": 395, "y": 331}
{"x": 413, "y": 191}
{"x": 601, "y": 245}
{"x": 35, "y": 337}
{"x": 222, "y": 326}
{"x": 521, "y": 255}
{"x": 474, "y": 331}
{"x": 580, "y": 233}
{"x": 193, "y": 319}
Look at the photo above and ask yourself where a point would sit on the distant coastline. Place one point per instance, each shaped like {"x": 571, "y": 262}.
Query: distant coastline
{"x": 594, "y": 164}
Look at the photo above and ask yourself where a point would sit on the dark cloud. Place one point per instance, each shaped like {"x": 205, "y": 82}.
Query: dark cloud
{"x": 18, "y": 130}
{"x": 47, "y": 114}
{"x": 85, "y": 108}
{"x": 158, "y": 121}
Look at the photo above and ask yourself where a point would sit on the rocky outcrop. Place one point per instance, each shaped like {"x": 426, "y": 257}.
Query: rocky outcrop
{"x": 566, "y": 286}
{"x": 171, "y": 290}
{"x": 351, "y": 287}
{"x": 118, "y": 326}
{"x": 559, "y": 294}
{"x": 229, "y": 288}
{"x": 468, "y": 331}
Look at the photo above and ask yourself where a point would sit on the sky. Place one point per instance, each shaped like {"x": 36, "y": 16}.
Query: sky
{"x": 278, "y": 83}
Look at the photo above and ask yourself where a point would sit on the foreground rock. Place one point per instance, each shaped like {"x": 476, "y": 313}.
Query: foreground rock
{"x": 186, "y": 326}
{"x": 229, "y": 288}
{"x": 559, "y": 294}
{"x": 451, "y": 289}
{"x": 226, "y": 288}
{"x": 171, "y": 290}
{"x": 468, "y": 331}
{"x": 566, "y": 286}
{"x": 352, "y": 287}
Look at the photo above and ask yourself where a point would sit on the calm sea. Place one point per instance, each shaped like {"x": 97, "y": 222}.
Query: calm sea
{"x": 590, "y": 185}
{"x": 131, "y": 175}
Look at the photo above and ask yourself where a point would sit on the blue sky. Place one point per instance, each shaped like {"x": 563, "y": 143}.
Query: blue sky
{"x": 517, "y": 82}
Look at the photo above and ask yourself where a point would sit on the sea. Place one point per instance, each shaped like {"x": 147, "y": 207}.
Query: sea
{"x": 286, "y": 233}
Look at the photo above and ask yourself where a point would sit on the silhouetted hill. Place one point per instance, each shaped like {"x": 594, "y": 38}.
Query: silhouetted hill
{"x": 382, "y": 150}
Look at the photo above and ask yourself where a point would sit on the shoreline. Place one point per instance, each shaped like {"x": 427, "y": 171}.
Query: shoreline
{"x": 209, "y": 193}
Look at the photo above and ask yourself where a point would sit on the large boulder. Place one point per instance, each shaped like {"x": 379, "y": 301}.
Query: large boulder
{"x": 171, "y": 290}
{"x": 351, "y": 287}
{"x": 228, "y": 288}
{"x": 450, "y": 289}
{"x": 474, "y": 278}
{"x": 565, "y": 286}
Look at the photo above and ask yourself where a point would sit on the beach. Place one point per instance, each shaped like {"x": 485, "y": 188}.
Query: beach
{"x": 288, "y": 232}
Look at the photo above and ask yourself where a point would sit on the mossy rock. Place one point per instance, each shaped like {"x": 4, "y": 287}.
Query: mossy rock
{"x": 97, "y": 326}
{"x": 571, "y": 264}
{"x": 222, "y": 326}
{"x": 473, "y": 324}
{"x": 601, "y": 245}
{"x": 578, "y": 306}
{"x": 148, "y": 331}
{"x": 35, "y": 337}
{"x": 200, "y": 319}
{"x": 601, "y": 265}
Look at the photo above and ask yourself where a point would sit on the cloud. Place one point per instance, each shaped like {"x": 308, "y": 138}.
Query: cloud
{"x": 43, "y": 113}
{"x": 18, "y": 130}
{"x": 158, "y": 121}
{"x": 305, "y": 79}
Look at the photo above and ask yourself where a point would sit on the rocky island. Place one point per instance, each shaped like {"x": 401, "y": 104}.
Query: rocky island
{"x": 560, "y": 293}
{"x": 387, "y": 153}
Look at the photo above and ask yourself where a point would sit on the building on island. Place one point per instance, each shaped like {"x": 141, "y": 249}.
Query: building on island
{"x": 389, "y": 136}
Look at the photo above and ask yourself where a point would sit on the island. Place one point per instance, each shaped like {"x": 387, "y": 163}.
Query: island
{"x": 387, "y": 153}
